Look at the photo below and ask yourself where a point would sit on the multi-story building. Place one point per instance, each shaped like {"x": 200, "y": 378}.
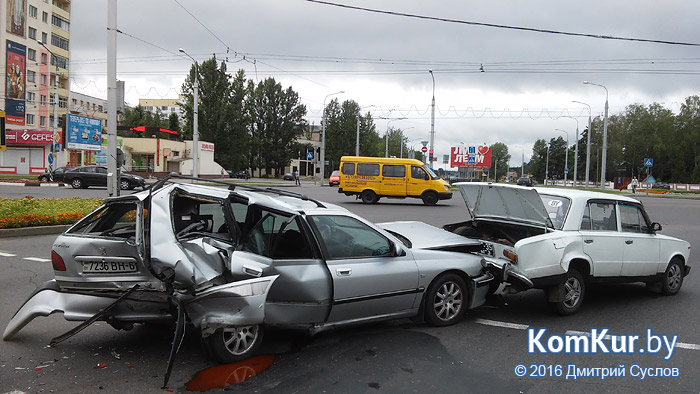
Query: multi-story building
{"x": 164, "y": 106}
{"x": 36, "y": 37}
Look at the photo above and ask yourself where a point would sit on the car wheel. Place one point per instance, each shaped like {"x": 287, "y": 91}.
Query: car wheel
{"x": 673, "y": 277}
{"x": 76, "y": 183}
{"x": 125, "y": 185}
{"x": 369, "y": 197}
{"x": 430, "y": 198}
{"x": 574, "y": 288}
{"x": 43, "y": 178}
{"x": 232, "y": 344}
{"x": 446, "y": 300}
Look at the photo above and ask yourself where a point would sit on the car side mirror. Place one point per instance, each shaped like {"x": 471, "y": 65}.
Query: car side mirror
{"x": 396, "y": 250}
{"x": 655, "y": 227}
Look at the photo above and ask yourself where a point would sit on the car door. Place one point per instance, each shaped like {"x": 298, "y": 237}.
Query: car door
{"x": 393, "y": 180}
{"x": 641, "y": 248}
{"x": 367, "y": 279}
{"x": 100, "y": 176}
{"x": 602, "y": 241}
{"x": 416, "y": 183}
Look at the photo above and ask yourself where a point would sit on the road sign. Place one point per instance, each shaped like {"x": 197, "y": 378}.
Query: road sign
{"x": 424, "y": 149}
{"x": 309, "y": 155}
{"x": 648, "y": 162}
{"x": 50, "y": 158}
{"x": 566, "y": 170}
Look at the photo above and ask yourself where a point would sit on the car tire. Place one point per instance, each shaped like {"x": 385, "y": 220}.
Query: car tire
{"x": 232, "y": 344}
{"x": 77, "y": 183}
{"x": 43, "y": 178}
{"x": 446, "y": 300}
{"x": 430, "y": 198}
{"x": 574, "y": 289}
{"x": 673, "y": 277}
{"x": 369, "y": 197}
{"x": 125, "y": 185}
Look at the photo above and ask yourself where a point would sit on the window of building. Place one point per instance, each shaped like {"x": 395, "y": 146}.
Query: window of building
{"x": 31, "y": 96}
{"x": 30, "y": 119}
{"x": 42, "y": 121}
{"x": 61, "y": 61}
{"x": 100, "y": 108}
{"x": 60, "y": 22}
{"x": 164, "y": 108}
{"x": 32, "y": 33}
{"x": 74, "y": 101}
{"x": 62, "y": 102}
{"x": 59, "y": 41}
{"x": 45, "y": 17}
{"x": 43, "y": 79}
{"x": 31, "y": 54}
{"x": 42, "y": 100}
{"x": 33, "y": 12}
{"x": 31, "y": 76}
{"x": 44, "y": 58}
{"x": 44, "y": 37}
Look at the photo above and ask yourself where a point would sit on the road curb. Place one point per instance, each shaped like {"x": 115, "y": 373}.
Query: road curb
{"x": 44, "y": 184}
{"x": 30, "y": 231}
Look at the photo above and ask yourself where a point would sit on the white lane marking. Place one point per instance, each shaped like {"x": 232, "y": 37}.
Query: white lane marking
{"x": 39, "y": 259}
{"x": 502, "y": 324}
{"x": 5, "y": 254}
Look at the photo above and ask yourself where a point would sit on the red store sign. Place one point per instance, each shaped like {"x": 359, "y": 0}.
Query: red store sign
{"x": 28, "y": 137}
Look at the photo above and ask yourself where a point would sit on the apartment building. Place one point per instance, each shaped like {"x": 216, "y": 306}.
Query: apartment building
{"x": 164, "y": 106}
{"x": 36, "y": 37}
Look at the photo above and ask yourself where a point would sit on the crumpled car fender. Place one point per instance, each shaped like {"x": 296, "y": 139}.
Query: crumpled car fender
{"x": 239, "y": 303}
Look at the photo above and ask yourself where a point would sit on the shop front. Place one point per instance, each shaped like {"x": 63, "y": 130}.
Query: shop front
{"x": 27, "y": 152}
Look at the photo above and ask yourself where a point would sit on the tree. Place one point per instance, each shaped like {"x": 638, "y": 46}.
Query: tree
{"x": 277, "y": 119}
{"x": 341, "y": 132}
{"x": 500, "y": 159}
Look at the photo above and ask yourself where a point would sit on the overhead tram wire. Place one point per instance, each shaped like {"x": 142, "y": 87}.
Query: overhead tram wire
{"x": 498, "y": 26}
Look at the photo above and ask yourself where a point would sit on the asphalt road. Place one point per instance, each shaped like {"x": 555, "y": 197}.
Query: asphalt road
{"x": 480, "y": 354}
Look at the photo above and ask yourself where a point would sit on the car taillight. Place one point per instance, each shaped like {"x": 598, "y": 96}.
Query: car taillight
{"x": 510, "y": 255}
{"x": 57, "y": 262}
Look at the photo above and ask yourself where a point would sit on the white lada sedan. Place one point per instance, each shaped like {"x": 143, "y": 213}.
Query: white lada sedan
{"x": 562, "y": 239}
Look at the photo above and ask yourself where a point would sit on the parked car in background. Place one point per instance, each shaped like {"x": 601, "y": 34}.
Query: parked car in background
{"x": 334, "y": 179}
{"x": 526, "y": 181}
{"x": 56, "y": 175}
{"x": 86, "y": 176}
{"x": 661, "y": 185}
{"x": 288, "y": 176}
{"x": 231, "y": 262}
{"x": 564, "y": 239}
{"x": 242, "y": 174}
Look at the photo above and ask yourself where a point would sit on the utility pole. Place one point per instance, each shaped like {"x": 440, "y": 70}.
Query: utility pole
{"x": 113, "y": 181}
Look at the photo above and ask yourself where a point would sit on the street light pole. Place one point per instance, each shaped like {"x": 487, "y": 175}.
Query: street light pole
{"x": 54, "y": 140}
{"x": 522, "y": 163}
{"x": 401, "y": 142}
{"x": 546, "y": 166}
{"x": 576, "y": 151}
{"x": 588, "y": 143}
{"x": 605, "y": 137}
{"x": 195, "y": 118}
{"x": 386, "y": 136}
{"x": 432, "y": 123}
{"x": 323, "y": 137}
{"x": 566, "y": 160}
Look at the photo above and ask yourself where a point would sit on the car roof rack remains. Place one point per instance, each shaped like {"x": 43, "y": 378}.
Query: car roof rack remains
{"x": 232, "y": 186}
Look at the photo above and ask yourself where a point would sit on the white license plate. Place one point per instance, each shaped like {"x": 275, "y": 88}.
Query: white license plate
{"x": 95, "y": 267}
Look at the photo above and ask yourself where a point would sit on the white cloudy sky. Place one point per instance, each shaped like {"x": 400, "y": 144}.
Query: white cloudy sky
{"x": 529, "y": 79}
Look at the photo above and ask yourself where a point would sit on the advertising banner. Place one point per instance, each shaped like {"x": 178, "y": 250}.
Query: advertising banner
{"x": 28, "y": 137}
{"x": 15, "y": 82}
{"x": 83, "y": 133}
{"x": 470, "y": 156}
{"x": 16, "y": 17}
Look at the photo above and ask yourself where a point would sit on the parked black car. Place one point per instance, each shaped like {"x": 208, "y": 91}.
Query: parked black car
{"x": 243, "y": 174}
{"x": 288, "y": 176}
{"x": 56, "y": 175}
{"x": 526, "y": 181}
{"x": 661, "y": 185}
{"x": 86, "y": 176}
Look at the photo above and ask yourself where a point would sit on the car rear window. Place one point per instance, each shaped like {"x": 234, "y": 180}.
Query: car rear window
{"x": 348, "y": 168}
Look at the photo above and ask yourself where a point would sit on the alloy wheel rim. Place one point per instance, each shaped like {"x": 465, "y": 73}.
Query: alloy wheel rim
{"x": 448, "y": 301}
{"x": 674, "y": 277}
{"x": 239, "y": 340}
{"x": 573, "y": 292}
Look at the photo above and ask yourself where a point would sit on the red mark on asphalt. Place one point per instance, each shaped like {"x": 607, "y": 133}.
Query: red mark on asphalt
{"x": 220, "y": 376}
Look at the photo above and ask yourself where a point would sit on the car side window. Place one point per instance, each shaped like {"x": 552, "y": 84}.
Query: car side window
{"x": 346, "y": 237}
{"x": 632, "y": 220}
{"x": 348, "y": 168}
{"x": 196, "y": 217}
{"x": 276, "y": 236}
{"x": 586, "y": 220}
{"x": 398, "y": 171}
{"x": 101, "y": 170}
{"x": 603, "y": 216}
{"x": 368, "y": 169}
{"x": 417, "y": 172}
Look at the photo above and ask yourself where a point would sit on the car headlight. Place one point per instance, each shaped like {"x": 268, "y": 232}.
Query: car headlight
{"x": 447, "y": 188}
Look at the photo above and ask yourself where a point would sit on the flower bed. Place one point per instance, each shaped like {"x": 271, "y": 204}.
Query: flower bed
{"x": 29, "y": 212}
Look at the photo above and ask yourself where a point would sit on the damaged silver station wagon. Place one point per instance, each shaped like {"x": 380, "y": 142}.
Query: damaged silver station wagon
{"x": 231, "y": 261}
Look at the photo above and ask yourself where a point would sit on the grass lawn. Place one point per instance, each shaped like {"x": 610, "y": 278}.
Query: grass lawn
{"x": 28, "y": 211}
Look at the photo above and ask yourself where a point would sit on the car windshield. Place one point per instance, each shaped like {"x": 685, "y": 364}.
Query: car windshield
{"x": 335, "y": 173}
{"x": 429, "y": 171}
{"x": 556, "y": 207}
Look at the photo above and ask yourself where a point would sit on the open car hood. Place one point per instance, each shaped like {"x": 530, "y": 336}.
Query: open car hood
{"x": 504, "y": 203}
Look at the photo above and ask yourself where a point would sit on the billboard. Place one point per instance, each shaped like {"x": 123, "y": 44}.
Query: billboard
{"x": 28, "y": 137}
{"x": 15, "y": 82}
{"x": 470, "y": 156}
{"x": 16, "y": 17}
{"x": 83, "y": 133}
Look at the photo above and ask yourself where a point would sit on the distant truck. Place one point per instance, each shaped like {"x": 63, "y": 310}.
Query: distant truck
{"x": 371, "y": 178}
